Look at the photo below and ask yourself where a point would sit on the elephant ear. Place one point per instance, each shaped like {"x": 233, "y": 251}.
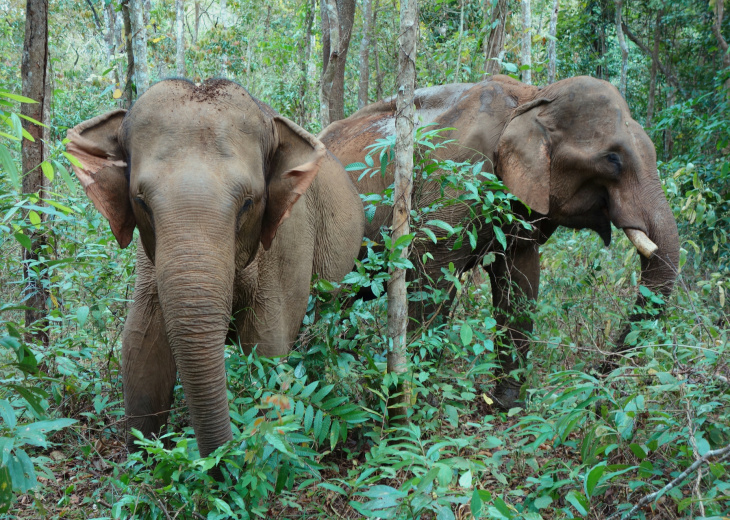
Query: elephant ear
{"x": 101, "y": 171}
{"x": 292, "y": 168}
{"x": 523, "y": 157}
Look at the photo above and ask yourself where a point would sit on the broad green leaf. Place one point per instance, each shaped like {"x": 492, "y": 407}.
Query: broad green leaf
{"x": 443, "y": 225}
{"x": 7, "y": 412}
{"x": 466, "y": 334}
{"x": 638, "y": 451}
{"x": 23, "y": 240}
{"x": 465, "y": 480}
{"x": 277, "y": 443}
{"x": 34, "y": 218}
{"x": 16, "y": 97}
{"x": 63, "y": 172}
{"x": 594, "y": 476}
{"x": 82, "y": 313}
{"x": 578, "y": 501}
{"x": 353, "y": 167}
{"x": 73, "y": 160}
{"x": 7, "y": 163}
{"x": 475, "y": 504}
{"x": 47, "y": 169}
{"x": 499, "y": 235}
{"x": 543, "y": 501}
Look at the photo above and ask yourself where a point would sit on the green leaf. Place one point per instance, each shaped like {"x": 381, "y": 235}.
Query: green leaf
{"x": 353, "y": 167}
{"x": 332, "y": 487}
{"x": 6, "y": 161}
{"x": 475, "y": 504}
{"x": 6, "y": 489}
{"x": 466, "y": 334}
{"x": 34, "y": 218}
{"x": 16, "y": 97}
{"x": 47, "y": 169}
{"x": 277, "y": 443}
{"x": 430, "y": 234}
{"x": 578, "y": 501}
{"x": 63, "y": 172}
{"x": 318, "y": 424}
{"x": 23, "y": 240}
{"x": 465, "y": 480}
{"x": 82, "y": 313}
{"x": 638, "y": 451}
{"x": 443, "y": 225}
{"x": 543, "y": 501}
{"x": 499, "y": 235}
{"x": 594, "y": 476}
{"x": 73, "y": 160}
{"x": 7, "y": 412}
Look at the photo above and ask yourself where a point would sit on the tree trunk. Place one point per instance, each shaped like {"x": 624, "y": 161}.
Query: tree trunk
{"x": 551, "y": 47}
{"x": 197, "y": 21}
{"x": 719, "y": 11}
{"x": 337, "y": 19}
{"x": 378, "y": 75}
{"x": 180, "y": 43}
{"x": 494, "y": 40}
{"x": 405, "y": 114}
{"x": 34, "y": 71}
{"x": 305, "y": 54}
{"x": 461, "y": 37}
{"x": 668, "y": 137}
{"x": 526, "y": 56}
{"x": 363, "y": 83}
{"x": 110, "y": 21}
{"x": 624, "y": 49}
{"x": 223, "y": 20}
{"x": 654, "y": 60}
{"x": 129, "y": 81}
{"x": 139, "y": 45}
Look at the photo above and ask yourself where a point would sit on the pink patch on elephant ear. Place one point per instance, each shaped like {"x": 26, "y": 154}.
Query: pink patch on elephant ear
{"x": 94, "y": 143}
{"x": 294, "y": 166}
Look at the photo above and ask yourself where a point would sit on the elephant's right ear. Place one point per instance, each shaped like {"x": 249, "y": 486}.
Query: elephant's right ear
{"x": 95, "y": 143}
{"x": 523, "y": 157}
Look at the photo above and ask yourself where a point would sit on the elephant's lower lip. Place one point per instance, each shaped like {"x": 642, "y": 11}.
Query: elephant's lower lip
{"x": 642, "y": 242}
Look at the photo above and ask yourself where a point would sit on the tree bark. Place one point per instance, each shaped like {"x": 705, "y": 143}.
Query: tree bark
{"x": 223, "y": 20}
{"x": 652, "y": 78}
{"x": 624, "y": 49}
{"x": 129, "y": 81}
{"x": 461, "y": 38}
{"x": 405, "y": 114}
{"x": 667, "y": 73}
{"x": 364, "y": 80}
{"x": 494, "y": 40}
{"x": 306, "y": 53}
{"x": 180, "y": 43}
{"x": 197, "y": 21}
{"x": 378, "y": 75}
{"x": 337, "y": 19}
{"x": 35, "y": 85}
{"x": 551, "y": 46}
{"x": 668, "y": 137}
{"x": 526, "y": 55}
{"x": 139, "y": 45}
{"x": 719, "y": 11}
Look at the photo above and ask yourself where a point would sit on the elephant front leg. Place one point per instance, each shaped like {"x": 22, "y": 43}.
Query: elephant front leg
{"x": 515, "y": 278}
{"x": 148, "y": 367}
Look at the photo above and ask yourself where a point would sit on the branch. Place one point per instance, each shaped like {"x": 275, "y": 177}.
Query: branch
{"x": 723, "y": 453}
{"x": 670, "y": 77}
{"x": 96, "y": 16}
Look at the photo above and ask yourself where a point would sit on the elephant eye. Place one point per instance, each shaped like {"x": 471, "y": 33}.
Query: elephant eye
{"x": 615, "y": 160}
{"x": 246, "y": 206}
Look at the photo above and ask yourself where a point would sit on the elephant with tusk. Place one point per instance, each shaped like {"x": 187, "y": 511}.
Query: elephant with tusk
{"x": 571, "y": 152}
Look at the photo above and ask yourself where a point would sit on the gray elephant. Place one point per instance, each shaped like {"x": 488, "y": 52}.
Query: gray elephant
{"x": 236, "y": 208}
{"x": 570, "y": 151}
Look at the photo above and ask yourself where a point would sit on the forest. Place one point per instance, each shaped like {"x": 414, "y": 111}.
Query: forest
{"x": 582, "y": 145}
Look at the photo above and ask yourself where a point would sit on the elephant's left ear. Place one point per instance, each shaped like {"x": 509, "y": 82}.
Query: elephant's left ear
{"x": 523, "y": 157}
{"x": 292, "y": 169}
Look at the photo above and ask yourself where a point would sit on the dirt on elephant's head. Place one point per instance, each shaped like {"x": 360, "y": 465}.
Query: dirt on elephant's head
{"x": 210, "y": 90}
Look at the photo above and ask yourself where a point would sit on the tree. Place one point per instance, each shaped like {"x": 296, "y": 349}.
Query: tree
{"x": 551, "y": 47}
{"x": 624, "y": 49}
{"x": 405, "y": 113}
{"x": 363, "y": 83}
{"x": 129, "y": 80}
{"x": 139, "y": 44}
{"x": 305, "y": 52}
{"x": 526, "y": 56}
{"x": 461, "y": 39}
{"x": 337, "y": 19}
{"x": 180, "y": 34}
{"x": 719, "y": 11}
{"x": 36, "y": 86}
{"x": 650, "y": 100}
{"x": 495, "y": 18}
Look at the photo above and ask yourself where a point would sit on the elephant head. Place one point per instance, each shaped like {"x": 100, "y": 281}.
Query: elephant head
{"x": 206, "y": 173}
{"x": 574, "y": 154}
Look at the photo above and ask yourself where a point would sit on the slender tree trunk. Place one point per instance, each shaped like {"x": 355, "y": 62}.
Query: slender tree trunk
{"x": 223, "y": 20}
{"x": 197, "y": 21}
{"x": 129, "y": 81}
{"x": 180, "y": 43}
{"x": 526, "y": 42}
{"x": 495, "y": 17}
{"x": 36, "y": 86}
{"x": 306, "y": 53}
{"x": 378, "y": 76}
{"x": 346, "y": 19}
{"x": 719, "y": 11}
{"x": 654, "y": 60}
{"x": 551, "y": 46}
{"x": 337, "y": 19}
{"x": 461, "y": 38}
{"x": 624, "y": 49}
{"x": 139, "y": 45}
{"x": 405, "y": 113}
{"x": 668, "y": 137}
{"x": 363, "y": 83}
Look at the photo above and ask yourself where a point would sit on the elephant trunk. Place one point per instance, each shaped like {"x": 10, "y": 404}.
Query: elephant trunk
{"x": 659, "y": 265}
{"x": 195, "y": 283}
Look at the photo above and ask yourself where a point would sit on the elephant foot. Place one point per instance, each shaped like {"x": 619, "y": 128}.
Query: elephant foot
{"x": 507, "y": 394}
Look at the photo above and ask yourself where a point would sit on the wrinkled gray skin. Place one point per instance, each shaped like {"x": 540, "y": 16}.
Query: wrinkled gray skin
{"x": 570, "y": 151}
{"x": 211, "y": 177}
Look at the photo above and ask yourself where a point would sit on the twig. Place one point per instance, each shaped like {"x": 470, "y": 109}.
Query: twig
{"x": 693, "y": 442}
{"x": 723, "y": 453}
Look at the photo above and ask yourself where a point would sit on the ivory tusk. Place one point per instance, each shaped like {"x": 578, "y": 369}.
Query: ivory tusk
{"x": 642, "y": 242}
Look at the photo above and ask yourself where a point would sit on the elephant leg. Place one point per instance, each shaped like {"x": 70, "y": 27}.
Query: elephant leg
{"x": 147, "y": 364}
{"x": 515, "y": 278}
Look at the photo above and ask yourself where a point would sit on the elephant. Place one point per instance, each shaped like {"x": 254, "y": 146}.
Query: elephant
{"x": 569, "y": 151}
{"x": 237, "y": 208}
